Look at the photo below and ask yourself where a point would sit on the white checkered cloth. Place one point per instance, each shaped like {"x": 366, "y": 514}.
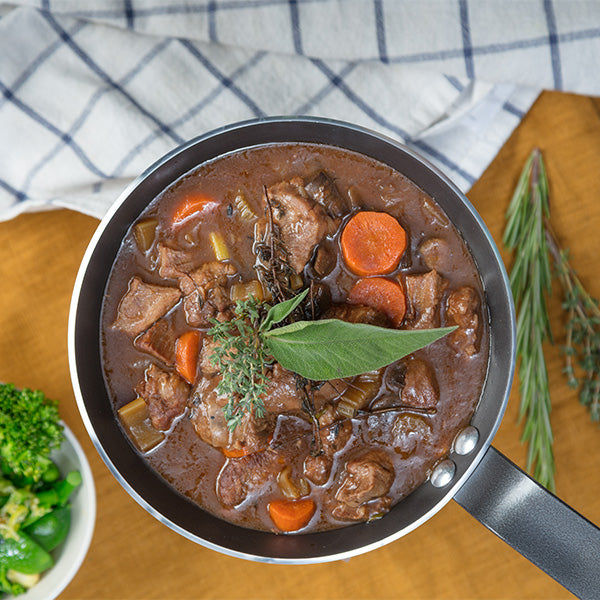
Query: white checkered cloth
{"x": 91, "y": 93}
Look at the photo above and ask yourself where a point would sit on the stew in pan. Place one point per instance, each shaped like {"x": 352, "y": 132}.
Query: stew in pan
{"x": 256, "y": 227}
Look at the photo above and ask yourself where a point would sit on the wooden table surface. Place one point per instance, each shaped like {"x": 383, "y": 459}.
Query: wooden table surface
{"x": 133, "y": 556}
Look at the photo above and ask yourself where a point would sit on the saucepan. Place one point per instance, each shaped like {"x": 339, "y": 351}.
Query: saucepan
{"x": 478, "y": 477}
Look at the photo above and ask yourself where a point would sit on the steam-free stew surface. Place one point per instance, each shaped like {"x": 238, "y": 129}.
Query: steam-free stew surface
{"x": 381, "y": 433}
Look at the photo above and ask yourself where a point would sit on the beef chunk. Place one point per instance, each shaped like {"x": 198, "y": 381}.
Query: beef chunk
{"x": 408, "y": 432}
{"x": 420, "y": 386}
{"x": 143, "y": 304}
{"x": 174, "y": 264}
{"x": 240, "y": 477}
{"x": 364, "y": 512}
{"x": 317, "y": 302}
{"x": 424, "y": 293}
{"x": 212, "y": 274}
{"x": 436, "y": 254}
{"x": 462, "y": 310}
{"x": 207, "y": 414}
{"x": 334, "y": 434}
{"x": 365, "y": 479}
{"x": 318, "y": 468}
{"x": 323, "y": 190}
{"x": 282, "y": 392}
{"x": 166, "y": 395}
{"x": 208, "y": 419}
{"x": 159, "y": 341}
{"x": 206, "y": 366}
{"x": 357, "y": 313}
{"x": 302, "y": 222}
{"x": 325, "y": 260}
{"x": 205, "y": 295}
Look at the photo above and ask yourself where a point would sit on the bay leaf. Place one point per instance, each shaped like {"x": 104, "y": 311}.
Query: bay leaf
{"x": 331, "y": 349}
{"x": 281, "y": 310}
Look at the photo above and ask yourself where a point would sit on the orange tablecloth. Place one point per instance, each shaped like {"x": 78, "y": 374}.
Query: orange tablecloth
{"x": 132, "y": 556}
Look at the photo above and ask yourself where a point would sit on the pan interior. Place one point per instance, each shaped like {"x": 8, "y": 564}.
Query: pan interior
{"x": 149, "y": 489}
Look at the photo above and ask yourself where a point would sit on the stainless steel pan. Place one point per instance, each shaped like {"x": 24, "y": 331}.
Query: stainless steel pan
{"x": 475, "y": 475}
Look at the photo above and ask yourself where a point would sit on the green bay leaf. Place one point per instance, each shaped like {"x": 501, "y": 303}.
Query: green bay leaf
{"x": 330, "y": 348}
{"x": 281, "y": 310}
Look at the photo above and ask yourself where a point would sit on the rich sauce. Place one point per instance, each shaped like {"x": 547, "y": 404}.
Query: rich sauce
{"x": 191, "y": 465}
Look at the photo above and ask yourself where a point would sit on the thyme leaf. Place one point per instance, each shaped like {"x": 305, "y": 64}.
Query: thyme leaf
{"x": 581, "y": 350}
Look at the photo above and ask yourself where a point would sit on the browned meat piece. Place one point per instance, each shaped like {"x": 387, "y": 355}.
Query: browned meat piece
{"x": 462, "y": 310}
{"x": 282, "y": 393}
{"x": 334, "y": 434}
{"x": 240, "y": 477}
{"x": 365, "y": 479}
{"x": 205, "y": 294}
{"x": 424, "y": 293}
{"x": 323, "y": 190}
{"x": 212, "y": 274}
{"x": 357, "y": 313}
{"x": 436, "y": 254}
{"x": 197, "y": 312}
{"x": 302, "y": 223}
{"x": 159, "y": 341}
{"x": 364, "y": 512}
{"x": 317, "y": 302}
{"x": 318, "y": 468}
{"x": 325, "y": 260}
{"x": 174, "y": 264}
{"x": 166, "y": 395}
{"x": 408, "y": 432}
{"x": 420, "y": 386}
{"x": 208, "y": 419}
{"x": 206, "y": 366}
{"x": 143, "y": 304}
{"x": 207, "y": 414}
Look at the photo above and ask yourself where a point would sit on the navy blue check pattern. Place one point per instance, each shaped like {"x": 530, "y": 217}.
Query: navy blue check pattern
{"x": 92, "y": 93}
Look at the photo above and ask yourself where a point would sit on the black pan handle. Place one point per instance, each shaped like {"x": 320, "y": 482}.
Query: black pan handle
{"x": 534, "y": 522}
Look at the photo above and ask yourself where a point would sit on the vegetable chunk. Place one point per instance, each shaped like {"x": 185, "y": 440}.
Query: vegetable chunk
{"x": 372, "y": 243}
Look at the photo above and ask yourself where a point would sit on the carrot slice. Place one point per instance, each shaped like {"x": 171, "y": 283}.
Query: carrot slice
{"x": 186, "y": 355}
{"x": 192, "y": 204}
{"x": 372, "y": 243}
{"x": 380, "y": 293}
{"x": 234, "y": 452}
{"x": 291, "y": 515}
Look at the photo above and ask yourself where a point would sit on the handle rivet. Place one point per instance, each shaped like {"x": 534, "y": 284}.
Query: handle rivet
{"x": 443, "y": 473}
{"x": 466, "y": 440}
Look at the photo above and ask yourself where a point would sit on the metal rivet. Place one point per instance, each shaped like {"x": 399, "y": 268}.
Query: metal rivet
{"x": 443, "y": 473}
{"x": 466, "y": 440}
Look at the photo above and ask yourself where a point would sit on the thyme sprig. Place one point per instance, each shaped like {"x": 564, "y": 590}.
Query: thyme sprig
{"x": 581, "y": 350}
{"x": 242, "y": 358}
{"x": 531, "y": 281}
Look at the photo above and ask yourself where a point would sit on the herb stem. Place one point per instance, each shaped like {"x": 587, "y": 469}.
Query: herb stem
{"x": 530, "y": 281}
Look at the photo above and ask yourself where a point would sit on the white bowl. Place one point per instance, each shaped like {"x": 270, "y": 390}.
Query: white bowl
{"x": 70, "y": 554}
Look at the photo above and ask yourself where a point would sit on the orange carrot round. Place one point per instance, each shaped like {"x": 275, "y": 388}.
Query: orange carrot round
{"x": 291, "y": 515}
{"x": 234, "y": 452}
{"x": 192, "y": 204}
{"x": 380, "y": 293}
{"x": 186, "y": 355}
{"x": 372, "y": 243}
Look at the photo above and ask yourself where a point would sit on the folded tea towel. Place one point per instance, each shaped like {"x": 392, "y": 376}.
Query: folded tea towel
{"x": 91, "y": 93}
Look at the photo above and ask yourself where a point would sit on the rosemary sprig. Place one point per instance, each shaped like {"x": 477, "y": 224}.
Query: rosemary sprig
{"x": 530, "y": 281}
{"x": 582, "y": 345}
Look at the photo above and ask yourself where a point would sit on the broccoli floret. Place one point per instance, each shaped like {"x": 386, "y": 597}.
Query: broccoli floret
{"x": 30, "y": 429}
